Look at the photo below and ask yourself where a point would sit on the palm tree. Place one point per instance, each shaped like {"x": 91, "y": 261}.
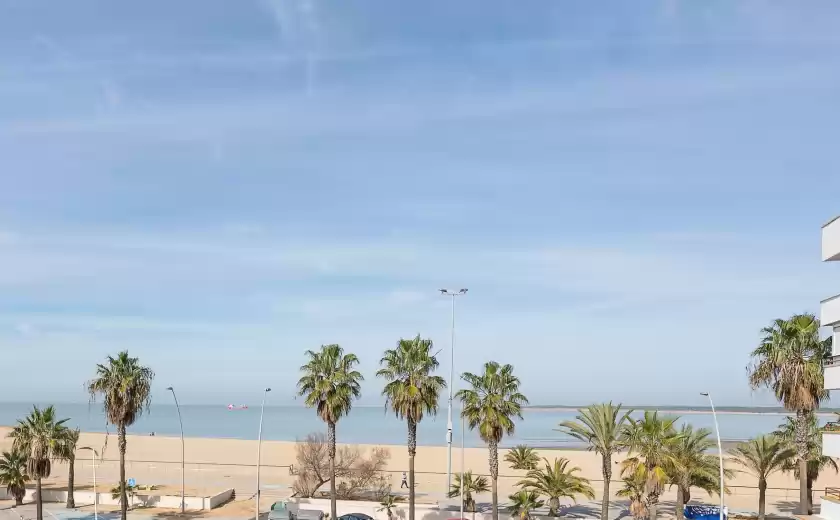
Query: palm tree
{"x": 13, "y": 475}
{"x": 600, "y": 426}
{"x": 557, "y": 480}
{"x": 649, "y": 440}
{"x": 39, "y": 437}
{"x": 816, "y": 460}
{"x": 68, "y": 448}
{"x": 491, "y": 405}
{"x": 388, "y": 503}
{"x": 789, "y": 360}
{"x": 522, "y": 457}
{"x": 411, "y": 392}
{"x": 472, "y": 484}
{"x": 690, "y": 466}
{"x": 634, "y": 489}
{"x": 329, "y": 384}
{"x": 125, "y": 386}
{"x": 130, "y": 492}
{"x": 523, "y": 502}
{"x": 763, "y": 456}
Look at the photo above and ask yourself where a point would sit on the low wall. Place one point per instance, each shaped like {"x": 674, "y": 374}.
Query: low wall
{"x": 421, "y": 511}
{"x": 140, "y": 499}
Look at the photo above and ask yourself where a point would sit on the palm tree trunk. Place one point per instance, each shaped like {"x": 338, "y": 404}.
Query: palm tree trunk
{"x": 494, "y": 476}
{"x": 331, "y": 434}
{"x": 412, "y": 451}
{"x": 71, "y": 482}
{"x": 810, "y": 486}
{"x": 123, "y": 497}
{"x": 801, "y": 435}
{"x": 39, "y": 507}
{"x": 680, "y": 503}
{"x": 762, "y": 498}
{"x": 606, "y": 471}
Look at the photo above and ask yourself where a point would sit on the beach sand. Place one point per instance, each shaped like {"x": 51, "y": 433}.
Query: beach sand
{"x": 216, "y": 464}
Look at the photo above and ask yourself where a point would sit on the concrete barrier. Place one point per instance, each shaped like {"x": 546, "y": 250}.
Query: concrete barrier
{"x": 146, "y": 499}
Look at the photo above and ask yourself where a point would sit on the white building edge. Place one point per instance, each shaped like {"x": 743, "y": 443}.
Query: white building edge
{"x": 830, "y": 317}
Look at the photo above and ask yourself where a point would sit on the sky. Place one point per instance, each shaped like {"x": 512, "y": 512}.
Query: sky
{"x": 630, "y": 190}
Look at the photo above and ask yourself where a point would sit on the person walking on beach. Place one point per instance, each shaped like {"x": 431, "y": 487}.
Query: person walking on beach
{"x": 404, "y": 483}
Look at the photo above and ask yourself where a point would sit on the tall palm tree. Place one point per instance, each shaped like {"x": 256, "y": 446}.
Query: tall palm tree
{"x": 634, "y": 489}
{"x": 13, "y": 475}
{"x": 125, "y": 386}
{"x": 491, "y": 405}
{"x": 649, "y": 440}
{"x": 412, "y": 391}
{"x": 522, "y": 457}
{"x": 556, "y": 480}
{"x": 600, "y": 426}
{"x": 816, "y": 461}
{"x": 68, "y": 449}
{"x": 523, "y": 502}
{"x": 763, "y": 456}
{"x": 473, "y": 484}
{"x": 789, "y": 360}
{"x": 329, "y": 384}
{"x": 39, "y": 437}
{"x": 689, "y": 465}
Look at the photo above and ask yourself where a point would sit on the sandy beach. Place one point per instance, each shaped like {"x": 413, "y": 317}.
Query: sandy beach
{"x": 215, "y": 464}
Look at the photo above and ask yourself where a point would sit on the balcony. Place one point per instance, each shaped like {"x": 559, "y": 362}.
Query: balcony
{"x": 832, "y": 375}
{"x": 830, "y": 312}
{"x": 831, "y": 441}
{"x": 831, "y": 240}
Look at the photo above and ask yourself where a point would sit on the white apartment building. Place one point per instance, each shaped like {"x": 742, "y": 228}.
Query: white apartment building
{"x": 830, "y": 317}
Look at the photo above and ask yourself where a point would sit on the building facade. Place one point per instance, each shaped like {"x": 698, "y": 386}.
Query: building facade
{"x": 830, "y": 317}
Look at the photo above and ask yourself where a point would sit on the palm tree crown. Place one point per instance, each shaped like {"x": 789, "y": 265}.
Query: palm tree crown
{"x": 39, "y": 436}
{"x": 13, "y": 474}
{"x": 689, "y": 465}
{"x": 330, "y": 382}
{"x": 523, "y": 502}
{"x": 650, "y": 441}
{"x": 522, "y": 457}
{"x": 556, "y": 480}
{"x": 412, "y": 390}
{"x": 126, "y": 388}
{"x": 473, "y": 484}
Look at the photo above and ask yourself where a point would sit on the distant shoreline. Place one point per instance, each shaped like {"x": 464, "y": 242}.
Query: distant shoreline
{"x": 687, "y": 411}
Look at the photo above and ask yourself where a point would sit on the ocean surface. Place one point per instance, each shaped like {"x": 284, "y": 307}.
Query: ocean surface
{"x": 368, "y": 425}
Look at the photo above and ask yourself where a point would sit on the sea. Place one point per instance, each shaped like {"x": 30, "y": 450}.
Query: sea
{"x": 365, "y": 424}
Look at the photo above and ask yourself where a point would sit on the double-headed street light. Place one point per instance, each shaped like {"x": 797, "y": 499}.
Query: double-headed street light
{"x": 452, "y": 294}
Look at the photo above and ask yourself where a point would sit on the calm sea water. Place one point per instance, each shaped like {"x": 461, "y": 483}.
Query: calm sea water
{"x": 370, "y": 425}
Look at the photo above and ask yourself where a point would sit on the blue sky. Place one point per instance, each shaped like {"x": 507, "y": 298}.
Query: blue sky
{"x": 630, "y": 190}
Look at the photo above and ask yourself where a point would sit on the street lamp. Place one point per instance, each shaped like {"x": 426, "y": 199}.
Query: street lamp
{"x": 93, "y": 455}
{"x": 720, "y": 449}
{"x": 259, "y": 449}
{"x": 452, "y": 294}
{"x": 181, "y": 424}
{"x": 461, "y": 487}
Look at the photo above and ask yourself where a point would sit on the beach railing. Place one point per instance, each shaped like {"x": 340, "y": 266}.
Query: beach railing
{"x": 832, "y": 493}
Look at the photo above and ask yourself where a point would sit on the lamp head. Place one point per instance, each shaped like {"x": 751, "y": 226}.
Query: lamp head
{"x": 704, "y": 394}
{"x": 268, "y": 389}
{"x": 443, "y": 291}
{"x": 463, "y": 291}
{"x": 169, "y": 388}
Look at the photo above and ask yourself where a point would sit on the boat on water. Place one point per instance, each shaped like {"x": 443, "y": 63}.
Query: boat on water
{"x": 237, "y": 407}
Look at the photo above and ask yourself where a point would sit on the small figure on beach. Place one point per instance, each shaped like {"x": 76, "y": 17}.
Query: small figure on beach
{"x": 404, "y": 483}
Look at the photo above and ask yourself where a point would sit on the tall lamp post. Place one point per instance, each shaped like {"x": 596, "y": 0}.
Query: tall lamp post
{"x": 452, "y": 294}
{"x": 259, "y": 449}
{"x": 720, "y": 449}
{"x": 181, "y": 424}
{"x": 93, "y": 455}
{"x": 461, "y": 487}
